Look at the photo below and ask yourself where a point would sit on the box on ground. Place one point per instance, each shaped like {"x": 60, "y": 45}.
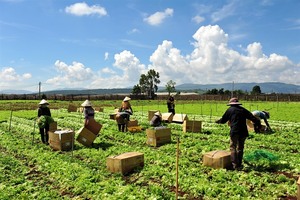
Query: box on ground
{"x": 125, "y": 162}
{"x": 94, "y": 126}
{"x": 85, "y": 137}
{"x": 250, "y": 126}
{"x": 151, "y": 114}
{"x": 217, "y": 159}
{"x": 167, "y": 117}
{"x": 72, "y": 108}
{"x": 179, "y": 118}
{"x": 158, "y": 136}
{"x": 53, "y": 126}
{"x": 61, "y": 139}
{"x": 132, "y": 123}
{"x": 134, "y": 129}
{"x": 191, "y": 126}
{"x": 99, "y": 109}
{"x": 112, "y": 116}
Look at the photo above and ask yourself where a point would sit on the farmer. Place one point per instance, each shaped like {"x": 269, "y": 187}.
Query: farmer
{"x": 43, "y": 120}
{"x": 237, "y": 115}
{"x": 156, "y": 119}
{"x": 88, "y": 112}
{"x": 171, "y": 104}
{"x": 263, "y": 115}
{"x": 123, "y": 115}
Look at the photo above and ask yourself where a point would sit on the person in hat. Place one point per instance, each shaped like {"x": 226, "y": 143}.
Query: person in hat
{"x": 88, "y": 111}
{"x": 263, "y": 115}
{"x": 123, "y": 115}
{"x": 43, "y": 112}
{"x": 156, "y": 119}
{"x": 171, "y": 104}
{"x": 237, "y": 115}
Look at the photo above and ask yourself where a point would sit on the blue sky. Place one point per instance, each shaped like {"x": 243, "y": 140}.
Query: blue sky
{"x": 110, "y": 43}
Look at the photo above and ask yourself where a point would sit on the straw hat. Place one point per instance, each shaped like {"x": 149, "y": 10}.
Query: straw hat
{"x": 44, "y": 102}
{"x": 233, "y": 101}
{"x": 157, "y": 113}
{"x": 86, "y": 103}
{"x": 126, "y": 99}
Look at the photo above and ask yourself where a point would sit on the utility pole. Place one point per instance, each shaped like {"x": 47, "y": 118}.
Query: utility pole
{"x": 232, "y": 89}
{"x": 40, "y": 85}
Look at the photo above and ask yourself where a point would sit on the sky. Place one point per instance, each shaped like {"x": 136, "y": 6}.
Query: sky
{"x": 96, "y": 44}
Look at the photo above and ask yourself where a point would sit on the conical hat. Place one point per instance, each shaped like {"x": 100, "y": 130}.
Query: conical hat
{"x": 126, "y": 99}
{"x": 44, "y": 102}
{"x": 157, "y": 113}
{"x": 86, "y": 103}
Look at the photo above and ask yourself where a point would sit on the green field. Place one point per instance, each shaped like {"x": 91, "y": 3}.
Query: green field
{"x": 31, "y": 170}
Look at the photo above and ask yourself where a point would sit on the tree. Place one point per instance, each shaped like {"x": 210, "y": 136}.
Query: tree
{"x": 136, "y": 90}
{"x": 170, "y": 87}
{"x": 256, "y": 90}
{"x": 148, "y": 83}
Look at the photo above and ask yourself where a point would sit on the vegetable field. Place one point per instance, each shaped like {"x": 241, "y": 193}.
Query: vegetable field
{"x": 32, "y": 170}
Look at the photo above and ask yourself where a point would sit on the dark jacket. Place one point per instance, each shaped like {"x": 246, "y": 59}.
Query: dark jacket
{"x": 44, "y": 111}
{"x": 237, "y": 115}
{"x": 155, "y": 121}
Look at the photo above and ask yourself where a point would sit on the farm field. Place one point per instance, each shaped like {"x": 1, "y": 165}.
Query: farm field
{"x": 32, "y": 170}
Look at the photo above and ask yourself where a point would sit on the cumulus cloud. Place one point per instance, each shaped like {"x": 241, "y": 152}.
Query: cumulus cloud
{"x": 158, "y": 17}
{"x": 81, "y": 9}
{"x": 75, "y": 75}
{"x": 106, "y": 54}
{"x": 9, "y": 74}
{"x": 212, "y": 61}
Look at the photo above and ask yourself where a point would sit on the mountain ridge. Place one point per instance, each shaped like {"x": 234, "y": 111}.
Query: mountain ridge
{"x": 266, "y": 87}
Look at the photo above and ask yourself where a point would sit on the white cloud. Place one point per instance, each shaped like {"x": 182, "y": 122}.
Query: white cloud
{"x": 198, "y": 19}
{"x": 106, "y": 55}
{"x": 75, "y": 75}
{"x": 226, "y": 11}
{"x": 212, "y": 61}
{"x": 9, "y": 74}
{"x": 158, "y": 17}
{"x": 81, "y": 9}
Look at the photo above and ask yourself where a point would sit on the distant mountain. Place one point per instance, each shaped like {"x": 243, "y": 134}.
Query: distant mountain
{"x": 15, "y": 92}
{"x": 267, "y": 87}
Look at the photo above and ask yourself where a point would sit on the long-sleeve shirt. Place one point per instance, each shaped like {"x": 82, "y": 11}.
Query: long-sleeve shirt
{"x": 44, "y": 111}
{"x": 237, "y": 116}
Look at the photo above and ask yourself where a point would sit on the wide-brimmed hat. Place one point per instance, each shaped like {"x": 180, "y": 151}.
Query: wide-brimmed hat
{"x": 267, "y": 114}
{"x": 127, "y": 99}
{"x": 157, "y": 113}
{"x": 234, "y": 101}
{"x": 44, "y": 102}
{"x": 86, "y": 103}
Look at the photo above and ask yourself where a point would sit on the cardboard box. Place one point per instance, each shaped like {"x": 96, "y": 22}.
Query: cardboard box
{"x": 179, "y": 118}
{"x": 158, "y": 136}
{"x": 112, "y": 116}
{"x": 217, "y": 159}
{"x": 132, "y": 123}
{"x": 134, "y": 129}
{"x": 85, "y": 137}
{"x": 53, "y": 126}
{"x": 125, "y": 162}
{"x": 167, "y": 117}
{"x": 250, "y": 127}
{"x": 151, "y": 114}
{"x": 298, "y": 189}
{"x": 61, "y": 139}
{"x": 98, "y": 109}
{"x": 94, "y": 126}
{"x": 72, "y": 108}
{"x": 191, "y": 126}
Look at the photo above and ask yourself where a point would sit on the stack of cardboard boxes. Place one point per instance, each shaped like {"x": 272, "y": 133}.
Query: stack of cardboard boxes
{"x": 133, "y": 126}
{"x": 87, "y": 135}
{"x": 158, "y": 136}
